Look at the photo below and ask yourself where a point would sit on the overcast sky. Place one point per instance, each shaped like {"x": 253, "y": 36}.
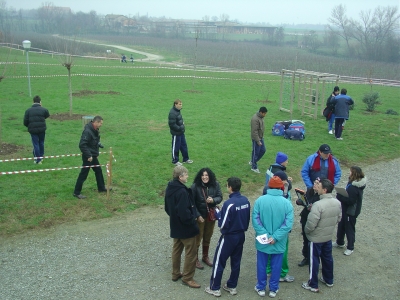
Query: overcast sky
{"x": 274, "y": 12}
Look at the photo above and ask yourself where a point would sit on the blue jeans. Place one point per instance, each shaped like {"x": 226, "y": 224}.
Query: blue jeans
{"x": 331, "y": 120}
{"x": 257, "y": 153}
{"x": 38, "y": 145}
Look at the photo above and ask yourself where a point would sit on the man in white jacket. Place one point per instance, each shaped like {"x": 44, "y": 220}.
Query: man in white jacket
{"x": 320, "y": 226}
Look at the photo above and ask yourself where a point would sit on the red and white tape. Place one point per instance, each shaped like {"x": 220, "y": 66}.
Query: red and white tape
{"x": 41, "y": 157}
{"x": 47, "y": 170}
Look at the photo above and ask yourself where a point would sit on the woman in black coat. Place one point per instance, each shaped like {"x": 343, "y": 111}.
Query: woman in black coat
{"x": 351, "y": 208}
{"x": 207, "y": 194}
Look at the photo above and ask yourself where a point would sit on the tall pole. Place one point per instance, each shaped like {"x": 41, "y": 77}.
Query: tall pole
{"x": 27, "y": 45}
{"x": 29, "y": 75}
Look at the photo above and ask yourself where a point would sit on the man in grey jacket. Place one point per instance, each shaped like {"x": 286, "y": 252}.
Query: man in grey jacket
{"x": 320, "y": 226}
{"x": 257, "y": 137}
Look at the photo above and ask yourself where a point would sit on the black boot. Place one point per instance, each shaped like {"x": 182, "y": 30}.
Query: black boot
{"x": 304, "y": 262}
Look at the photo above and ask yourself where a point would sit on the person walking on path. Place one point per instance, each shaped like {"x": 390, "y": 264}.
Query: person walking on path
{"x": 257, "y": 137}
{"x": 35, "y": 119}
{"x": 89, "y": 145}
{"x": 320, "y": 226}
{"x": 351, "y": 208}
{"x": 342, "y": 104}
{"x": 207, "y": 195}
{"x": 183, "y": 217}
{"x": 331, "y": 107}
{"x": 177, "y": 130}
{"x": 272, "y": 218}
{"x": 233, "y": 221}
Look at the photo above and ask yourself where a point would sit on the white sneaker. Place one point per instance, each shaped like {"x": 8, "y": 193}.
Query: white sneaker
{"x": 330, "y": 132}
{"x": 334, "y": 244}
{"x": 189, "y": 161}
{"x": 178, "y": 164}
{"x": 216, "y": 293}
{"x": 250, "y": 163}
{"x": 339, "y": 139}
{"x": 323, "y": 281}
{"x": 348, "y": 252}
{"x": 272, "y": 294}
{"x": 260, "y": 292}
{"x": 256, "y": 170}
{"x": 232, "y": 291}
{"x": 307, "y": 287}
{"x": 287, "y": 278}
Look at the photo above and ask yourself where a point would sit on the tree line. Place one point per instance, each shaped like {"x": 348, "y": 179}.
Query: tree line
{"x": 374, "y": 36}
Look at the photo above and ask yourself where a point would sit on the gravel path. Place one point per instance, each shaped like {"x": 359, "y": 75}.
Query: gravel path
{"x": 128, "y": 257}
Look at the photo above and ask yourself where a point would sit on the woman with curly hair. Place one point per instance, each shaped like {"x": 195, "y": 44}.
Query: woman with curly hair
{"x": 351, "y": 208}
{"x": 207, "y": 194}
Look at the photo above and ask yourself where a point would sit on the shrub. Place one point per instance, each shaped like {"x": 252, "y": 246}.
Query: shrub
{"x": 391, "y": 112}
{"x": 371, "y": 100}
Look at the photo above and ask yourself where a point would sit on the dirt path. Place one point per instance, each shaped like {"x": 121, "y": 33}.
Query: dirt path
{"x": 129, "y": 257}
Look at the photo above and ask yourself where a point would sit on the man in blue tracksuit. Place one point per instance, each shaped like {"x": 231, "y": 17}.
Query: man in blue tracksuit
{"x": 233, "y": 222}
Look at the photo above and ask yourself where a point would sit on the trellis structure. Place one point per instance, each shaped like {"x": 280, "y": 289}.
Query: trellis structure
{"x": 307, "y": 89}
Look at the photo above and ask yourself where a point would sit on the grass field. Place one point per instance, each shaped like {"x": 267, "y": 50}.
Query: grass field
{"x": 216, "y": 109}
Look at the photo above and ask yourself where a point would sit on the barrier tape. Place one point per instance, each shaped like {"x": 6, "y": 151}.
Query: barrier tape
{"x": 47, "y": 170}
{"x": 108, "y": 171}
{"x": 41, "y": 157}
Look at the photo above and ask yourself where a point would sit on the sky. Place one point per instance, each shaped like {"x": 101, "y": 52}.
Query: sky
{"x": 274, "y": 12}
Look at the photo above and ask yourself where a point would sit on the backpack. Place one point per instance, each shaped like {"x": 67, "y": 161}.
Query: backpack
{"x": 298, "y": 127}
{"x": 279, "y": 127}
{"x": 327, "y": 113}
{"x": 293, "y": 134}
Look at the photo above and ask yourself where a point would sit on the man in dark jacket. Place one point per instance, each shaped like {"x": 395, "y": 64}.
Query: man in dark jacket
{"x": 177, "y": 129}
{"x": 179, "y": 206}
{"x": 35, "y": 119}
{"x": 331, "y": 107}
{"x": 342, "y": 104}
{"x": 89, "y": 145}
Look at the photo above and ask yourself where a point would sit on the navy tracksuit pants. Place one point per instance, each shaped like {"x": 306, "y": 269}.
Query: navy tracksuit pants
{"x": 179, "y": 144}
{"x": 230, "y": 245}
{"x": 321, "y": 251}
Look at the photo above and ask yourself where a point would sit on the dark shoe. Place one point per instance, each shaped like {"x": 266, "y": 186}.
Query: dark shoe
{"x": 104, "y": 191}
{"x": 79, "y": 196}
{"x": 191, "y": 283}
{"x": 304, "y": 262}
{"x": 199, "y": 265}
{"x": 177, "y": 278}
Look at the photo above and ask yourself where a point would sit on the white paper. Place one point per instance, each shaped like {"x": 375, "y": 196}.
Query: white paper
{"x": 263, "y": 239}
{"x": 341, "y": 191}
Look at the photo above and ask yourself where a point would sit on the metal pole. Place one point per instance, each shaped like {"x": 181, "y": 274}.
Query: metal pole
{"x": 29, "y": 75}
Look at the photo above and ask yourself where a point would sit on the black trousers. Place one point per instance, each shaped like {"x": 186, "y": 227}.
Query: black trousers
{"x": 347, "y": 226}
{"x": 85, "y": 172}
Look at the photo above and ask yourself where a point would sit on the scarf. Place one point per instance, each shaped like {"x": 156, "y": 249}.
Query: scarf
{"x": 331, "y": 166}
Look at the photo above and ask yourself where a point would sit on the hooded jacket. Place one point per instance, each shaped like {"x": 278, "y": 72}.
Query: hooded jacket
{"x": 351, "y": 205}
{"x": 179, "y": 206}
{"x": 322, "y": 219}
{"x": 273, "y": 215}
{"x": 342, "y": 103}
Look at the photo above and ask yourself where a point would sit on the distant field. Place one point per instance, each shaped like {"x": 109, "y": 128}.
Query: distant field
{"x": 134, "y": 101}
{"x": 254, "y": 56}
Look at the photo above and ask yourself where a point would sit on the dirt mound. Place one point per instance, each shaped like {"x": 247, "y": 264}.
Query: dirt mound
{"x": 9, "y": 148}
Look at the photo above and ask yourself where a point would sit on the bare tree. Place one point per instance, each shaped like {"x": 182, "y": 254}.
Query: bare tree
{"x": 341, "y": 25}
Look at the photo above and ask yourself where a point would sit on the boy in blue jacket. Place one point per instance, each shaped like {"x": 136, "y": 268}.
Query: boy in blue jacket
{"x": 273, "y": 216}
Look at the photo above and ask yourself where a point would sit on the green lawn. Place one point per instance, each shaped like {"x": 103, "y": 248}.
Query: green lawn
{"x": 216, "y": 109}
